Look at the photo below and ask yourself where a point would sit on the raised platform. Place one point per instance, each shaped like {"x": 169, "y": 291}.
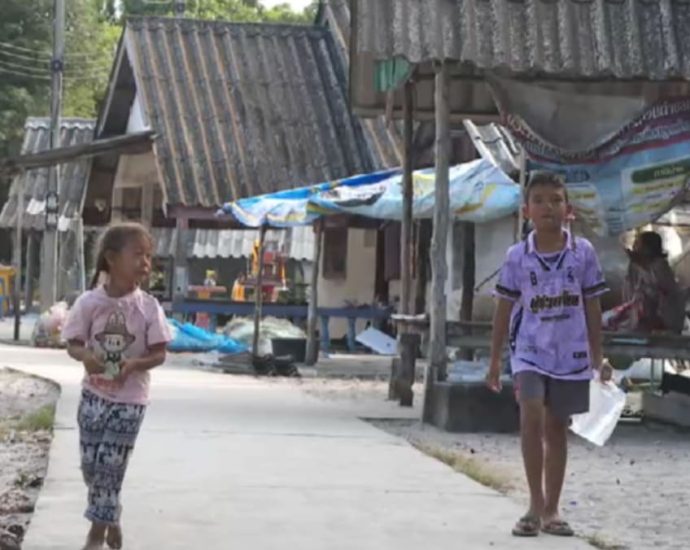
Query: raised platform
{"x": 671, "y": 408}
{"x": 472, "y": 407}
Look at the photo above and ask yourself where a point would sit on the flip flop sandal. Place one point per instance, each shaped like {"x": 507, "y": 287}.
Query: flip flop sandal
{"x": 527, "y": 526}
{"x": 558, "y": 528}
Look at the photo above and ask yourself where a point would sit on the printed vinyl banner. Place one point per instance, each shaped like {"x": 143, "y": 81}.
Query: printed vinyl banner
{"x": 636, "y": 176}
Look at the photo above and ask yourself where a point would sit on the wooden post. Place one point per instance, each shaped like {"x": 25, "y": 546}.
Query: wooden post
{"x": 468, "y": 278}
{"x": 31, "y": 244}
{"x": 423, "y": 243}
{"x": 523, "y": 183}
{"x": 81, "y": 257}
{"x": 18, "y": 261}
{"x": 439, "y": 239}
{"x": 313, "y": 312}
{"x": 408, "y": 194}
{"x": 180, "y": 274}
{"x": 403, "y": 376}
{"x": 258, "y": 294}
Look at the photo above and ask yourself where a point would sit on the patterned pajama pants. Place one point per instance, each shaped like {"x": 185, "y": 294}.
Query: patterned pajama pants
{"x": 107, "y": 433}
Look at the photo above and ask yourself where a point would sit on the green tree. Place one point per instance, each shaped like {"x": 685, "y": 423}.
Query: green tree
{"x": 24, "y": 30}
{"x": 90, "y": 46}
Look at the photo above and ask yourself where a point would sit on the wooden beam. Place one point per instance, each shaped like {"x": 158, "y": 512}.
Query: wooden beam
{"x": 258, "y": 293}
{"x": 312, "y": 315}
{"x": 140, "y": 142}
{"x": 439, "y": 266}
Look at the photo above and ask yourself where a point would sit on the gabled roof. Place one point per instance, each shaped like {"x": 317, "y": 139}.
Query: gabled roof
{"x": 239, "y": 109}
{"x": 73, "y": 175}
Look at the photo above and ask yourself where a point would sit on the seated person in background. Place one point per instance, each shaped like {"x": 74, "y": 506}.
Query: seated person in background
{"x": 653, "y": 299}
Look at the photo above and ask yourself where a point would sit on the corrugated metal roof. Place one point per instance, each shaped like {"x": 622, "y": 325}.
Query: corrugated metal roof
{"x": 74, "y": 131}
{"x": 570, "y": 39}
{"x": 243, "y": 109}
{"x": 385, "y": 139}
{"x": 296, "y": 242}
{"x": 637, "y": 48}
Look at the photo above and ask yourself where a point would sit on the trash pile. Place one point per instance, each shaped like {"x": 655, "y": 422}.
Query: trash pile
{"x": 47, "y": 331}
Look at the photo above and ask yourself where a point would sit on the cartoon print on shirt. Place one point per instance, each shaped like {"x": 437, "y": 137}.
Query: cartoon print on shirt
{"x": 114, "y": 340}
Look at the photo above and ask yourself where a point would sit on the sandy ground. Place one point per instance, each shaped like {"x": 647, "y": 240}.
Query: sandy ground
{"x": 632, "y": 493}
{"x": 23, "y": 450}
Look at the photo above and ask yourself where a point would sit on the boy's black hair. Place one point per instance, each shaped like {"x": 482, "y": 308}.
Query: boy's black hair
{"x": 545, "y": 178}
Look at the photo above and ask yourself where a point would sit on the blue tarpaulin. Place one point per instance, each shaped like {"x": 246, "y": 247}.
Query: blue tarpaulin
{"x": 479, "y": 192}
{"x": 188, "y": 337}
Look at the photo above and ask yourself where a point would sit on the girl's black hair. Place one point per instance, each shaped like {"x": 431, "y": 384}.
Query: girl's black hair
{"x": 651, "y": 244}
{"x": 115, "y": 238}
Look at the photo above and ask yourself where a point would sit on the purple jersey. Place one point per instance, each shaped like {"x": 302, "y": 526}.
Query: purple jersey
{"x": 548, "y": 327}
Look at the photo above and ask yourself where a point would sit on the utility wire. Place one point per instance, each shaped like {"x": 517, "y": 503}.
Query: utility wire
{"x": 70, "y": 62}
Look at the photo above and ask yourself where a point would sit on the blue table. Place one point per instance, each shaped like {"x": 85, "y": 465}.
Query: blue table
{"x": 284, "y": 311}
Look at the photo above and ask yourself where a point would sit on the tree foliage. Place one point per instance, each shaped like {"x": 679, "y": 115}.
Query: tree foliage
{"x": 93, "y": 28}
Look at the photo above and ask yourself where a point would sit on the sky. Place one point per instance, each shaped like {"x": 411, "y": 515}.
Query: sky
{"x": 297, "y": 5}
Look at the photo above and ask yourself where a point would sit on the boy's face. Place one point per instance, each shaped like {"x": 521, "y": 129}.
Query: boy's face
{"x": 547, "y": 207}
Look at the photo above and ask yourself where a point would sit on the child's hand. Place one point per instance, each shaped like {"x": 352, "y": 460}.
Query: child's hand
{"x": 92, "y": 363}
{"x": 493, "y": 378}
{"x": 127, "y": 367}
{"x": 605, "y": 372}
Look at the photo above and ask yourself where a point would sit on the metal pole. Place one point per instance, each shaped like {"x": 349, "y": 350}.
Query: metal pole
{"x": 18, "y": 260}
{"x": 50, "y": 240}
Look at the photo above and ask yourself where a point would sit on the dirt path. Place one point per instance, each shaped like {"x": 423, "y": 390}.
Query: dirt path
{"x": 630, "y": 494}
{"x": 26, "y": 416}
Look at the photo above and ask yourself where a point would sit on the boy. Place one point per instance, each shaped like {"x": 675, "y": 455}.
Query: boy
{"x": 548, "y": 303}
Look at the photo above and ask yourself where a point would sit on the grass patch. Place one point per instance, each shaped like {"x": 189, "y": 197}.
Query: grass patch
{"x": 599, "y": 541}
{"x": 39, "y": 420}
{"x": 473, "y": 468}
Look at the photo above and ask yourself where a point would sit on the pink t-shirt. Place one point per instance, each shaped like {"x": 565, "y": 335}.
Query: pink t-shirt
{"x": 117, "y": 329}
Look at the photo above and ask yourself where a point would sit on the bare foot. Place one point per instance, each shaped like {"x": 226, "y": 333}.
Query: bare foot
{"x": 114, "y": 537}
{"x": 95, "y": 538}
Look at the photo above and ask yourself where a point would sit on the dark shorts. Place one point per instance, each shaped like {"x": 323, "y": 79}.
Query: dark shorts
{"x": 563, "y": 398}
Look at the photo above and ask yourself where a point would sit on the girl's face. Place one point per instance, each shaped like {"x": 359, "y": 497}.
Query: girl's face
{"x": 132, "y": 264}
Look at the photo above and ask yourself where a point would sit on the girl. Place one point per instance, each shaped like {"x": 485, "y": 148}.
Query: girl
{"x": 657, "y": 301}
{"x": 119, "y": 333}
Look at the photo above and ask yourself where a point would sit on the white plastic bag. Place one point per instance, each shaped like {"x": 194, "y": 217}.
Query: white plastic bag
{"x": 606, "y": 403}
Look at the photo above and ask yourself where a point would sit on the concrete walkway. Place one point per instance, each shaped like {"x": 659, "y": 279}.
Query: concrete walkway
{"x": 225, "y": 462}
